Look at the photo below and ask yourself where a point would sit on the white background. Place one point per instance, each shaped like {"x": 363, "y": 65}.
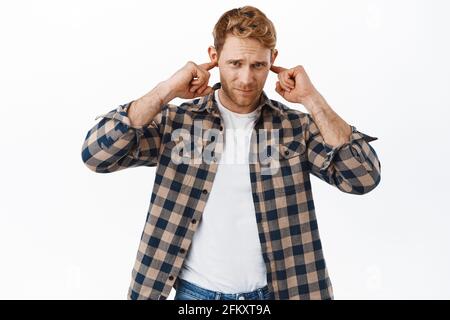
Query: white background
{"x": 69, "y": 233}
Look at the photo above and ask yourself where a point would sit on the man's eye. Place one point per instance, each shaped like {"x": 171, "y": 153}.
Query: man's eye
{"x": 235, "y": 63}
{"x": 259, "y": 65}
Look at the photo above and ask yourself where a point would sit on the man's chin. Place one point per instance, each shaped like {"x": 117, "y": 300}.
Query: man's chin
{"x": 245, "y": 100}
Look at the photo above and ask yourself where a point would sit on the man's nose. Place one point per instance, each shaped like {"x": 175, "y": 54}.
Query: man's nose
{"x": 246, "y": 77}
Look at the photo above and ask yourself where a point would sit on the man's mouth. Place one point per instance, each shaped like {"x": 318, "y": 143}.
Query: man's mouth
{"x": 245, "y": 91}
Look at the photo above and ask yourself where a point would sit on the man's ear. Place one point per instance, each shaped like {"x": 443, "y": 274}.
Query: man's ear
{"x": 212, "y": 52}
{"x": 273, "y": 56}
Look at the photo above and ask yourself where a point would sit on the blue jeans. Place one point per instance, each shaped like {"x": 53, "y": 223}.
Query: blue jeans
{"x": 188, "y": 291}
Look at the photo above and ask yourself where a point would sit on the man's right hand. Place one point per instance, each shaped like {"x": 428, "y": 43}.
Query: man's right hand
{"x": 191, "y": 81}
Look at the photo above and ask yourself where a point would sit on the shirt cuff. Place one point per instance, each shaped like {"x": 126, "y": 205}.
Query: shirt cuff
{"x": 124, "y": 124}
{"x": 353, "y": 145}
{"x": 119, "y": 114}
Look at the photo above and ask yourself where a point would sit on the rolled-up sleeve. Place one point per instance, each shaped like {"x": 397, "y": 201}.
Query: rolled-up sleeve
{"x": 352, "y": 167}
{"x": 113, "y": 144}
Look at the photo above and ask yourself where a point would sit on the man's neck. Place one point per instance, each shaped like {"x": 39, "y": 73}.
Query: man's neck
{"x": 227, "y": 103}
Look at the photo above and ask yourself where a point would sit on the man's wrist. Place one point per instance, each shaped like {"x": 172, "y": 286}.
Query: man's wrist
{"x": 163, "y": 92}
{"x": 142, "y": 110}
{"x": 314, "y": 103}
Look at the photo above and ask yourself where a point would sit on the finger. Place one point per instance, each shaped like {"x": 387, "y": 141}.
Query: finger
{"x": 195, "y": 81}
{"x": 279, "y": 89}
{"x": 283, "y": 85}
{"x": 196, "y": 87}
{"x": 202, "y": 88}
{"x": 202, "y": 75}
{"x": 286, "y": 81}
{"x": 208, "y": 65}
{"x": 206, "y": 91}
{"x": 202, "y": 80}
{"x": 277, "y": 69}
{"x": 289, "y": 81}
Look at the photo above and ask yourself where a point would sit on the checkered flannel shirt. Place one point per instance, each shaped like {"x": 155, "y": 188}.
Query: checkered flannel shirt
{"x": 284, "y": 207}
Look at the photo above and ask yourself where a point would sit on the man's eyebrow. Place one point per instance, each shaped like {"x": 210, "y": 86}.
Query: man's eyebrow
{"x": 240, "y": 60}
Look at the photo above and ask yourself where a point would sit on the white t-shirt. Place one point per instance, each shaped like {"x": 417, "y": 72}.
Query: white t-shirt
{"x": 225, "y": 253}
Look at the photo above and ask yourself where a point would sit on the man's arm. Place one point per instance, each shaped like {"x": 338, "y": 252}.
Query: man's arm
{"x": 334, "y": 129}
{"x": 295, "y": 86}
{"x": 337, "y": 152}
{"x": 114, "y": 143}
{"x": 130, "y": 135}
{"x": 352, "y": 167}
{"x": 142, "y": 111}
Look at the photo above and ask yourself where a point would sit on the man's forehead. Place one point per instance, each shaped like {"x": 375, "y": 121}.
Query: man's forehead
{"x": 244, "y": 49}
{"x": 247, "y": 44}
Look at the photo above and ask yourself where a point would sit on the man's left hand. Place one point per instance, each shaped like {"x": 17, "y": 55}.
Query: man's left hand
{"x": 294, "y": 84}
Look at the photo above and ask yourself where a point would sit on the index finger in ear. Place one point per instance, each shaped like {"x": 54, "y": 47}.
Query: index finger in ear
{"x": 276, "y": 69}
{"x": 208, "y": 65}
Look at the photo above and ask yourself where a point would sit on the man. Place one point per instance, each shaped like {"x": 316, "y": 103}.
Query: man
{"x": 221, "y": 229}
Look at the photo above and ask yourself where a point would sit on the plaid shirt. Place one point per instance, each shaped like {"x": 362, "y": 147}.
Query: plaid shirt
{"x": 283, "y": 201}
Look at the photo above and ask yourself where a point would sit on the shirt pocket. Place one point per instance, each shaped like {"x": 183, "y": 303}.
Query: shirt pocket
{"x": 292, "y": 149}
{"x": 291, "y": 176}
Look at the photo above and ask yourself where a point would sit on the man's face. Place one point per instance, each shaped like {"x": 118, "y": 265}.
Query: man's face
{"x": 243, "y": 65}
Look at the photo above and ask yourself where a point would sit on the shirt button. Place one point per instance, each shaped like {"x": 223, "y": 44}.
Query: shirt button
{"x": 286, "y": 152}
{"x": 205, "y": 191}
{"x": 193, "y": 221}
{"x": 170, "y": 278}
{"x": 221, "y": 128}
{"x": 182, "y": 250}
